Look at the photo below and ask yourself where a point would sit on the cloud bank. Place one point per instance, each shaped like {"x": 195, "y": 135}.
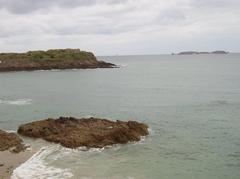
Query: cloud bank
{"x": 109, "y": 27}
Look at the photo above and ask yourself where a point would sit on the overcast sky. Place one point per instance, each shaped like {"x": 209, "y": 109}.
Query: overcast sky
{"x": 110, "y": 27}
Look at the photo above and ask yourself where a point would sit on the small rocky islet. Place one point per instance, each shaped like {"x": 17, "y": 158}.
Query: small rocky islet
{"x": 217, "y": 52}
{"x": 50, "y": 60}
{"x": 85, "y": 132}
{"x": 73, "y": 133}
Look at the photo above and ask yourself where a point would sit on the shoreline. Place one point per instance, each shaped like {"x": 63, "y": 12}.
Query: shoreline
{"x": 48, "y": 68}
{"x": 10, "y": 161}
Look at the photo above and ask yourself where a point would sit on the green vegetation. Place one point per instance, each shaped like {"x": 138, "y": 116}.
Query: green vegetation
{"x": 50, "y": 59}
{"x": 49, "y": 55}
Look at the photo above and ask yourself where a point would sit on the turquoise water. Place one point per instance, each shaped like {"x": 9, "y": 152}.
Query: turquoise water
{"x": 191, "y": 103}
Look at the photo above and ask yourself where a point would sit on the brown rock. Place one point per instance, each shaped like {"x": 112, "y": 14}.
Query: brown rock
{"x": 19, "y": 148}
{"x": 89, "y": 132}
{"x": 10, "y": 141}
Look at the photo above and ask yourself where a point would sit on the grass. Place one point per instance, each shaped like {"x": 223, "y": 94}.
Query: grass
{"x": 49, "y": 55}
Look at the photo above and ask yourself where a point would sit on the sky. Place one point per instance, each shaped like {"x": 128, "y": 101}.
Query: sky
{"x": 120, "y": 27}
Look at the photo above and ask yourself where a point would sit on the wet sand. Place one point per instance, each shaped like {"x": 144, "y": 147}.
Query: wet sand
{"x": 9, "y": 161}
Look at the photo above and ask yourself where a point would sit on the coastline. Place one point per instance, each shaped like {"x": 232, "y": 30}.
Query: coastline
{"x": 100, "y": 64}
{"x": 10, "y": 161}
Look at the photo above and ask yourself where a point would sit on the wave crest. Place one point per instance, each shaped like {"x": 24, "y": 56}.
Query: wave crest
{"x": 16, "y": 102}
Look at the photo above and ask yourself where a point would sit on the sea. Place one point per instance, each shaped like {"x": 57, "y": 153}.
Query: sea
{"x": 190, "y": 102}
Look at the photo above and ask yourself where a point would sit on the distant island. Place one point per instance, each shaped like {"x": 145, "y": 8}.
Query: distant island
{"x": 50, "y": 59}
{"x": 199, "y": 53}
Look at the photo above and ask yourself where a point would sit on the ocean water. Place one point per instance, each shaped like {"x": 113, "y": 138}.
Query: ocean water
{"x": 191, "y": 103}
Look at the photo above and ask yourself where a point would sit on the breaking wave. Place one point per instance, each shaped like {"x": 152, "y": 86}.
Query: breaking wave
{"x": 123, "y": 65}
{"x": 18, "y": 102}
{"x": 37, "y": 168}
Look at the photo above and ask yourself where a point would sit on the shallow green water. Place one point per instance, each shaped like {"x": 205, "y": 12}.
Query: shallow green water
{"x": 192, "y": 104}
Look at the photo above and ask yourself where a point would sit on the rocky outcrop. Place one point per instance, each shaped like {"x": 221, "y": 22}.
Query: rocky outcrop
{"x": 11, "y": 141}
{"x": 50, "y": 59}
{"x": 89, "y": 132}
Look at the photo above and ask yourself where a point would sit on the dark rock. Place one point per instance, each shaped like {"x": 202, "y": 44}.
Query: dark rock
{"x": 89, "y": 132}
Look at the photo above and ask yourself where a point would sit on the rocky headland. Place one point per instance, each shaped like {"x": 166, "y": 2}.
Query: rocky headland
{"x": 50, "y": 59}
{"x": 85, "y": 132}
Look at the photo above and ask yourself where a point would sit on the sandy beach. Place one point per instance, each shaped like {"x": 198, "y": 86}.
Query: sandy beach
{"x": 9, "y": 161}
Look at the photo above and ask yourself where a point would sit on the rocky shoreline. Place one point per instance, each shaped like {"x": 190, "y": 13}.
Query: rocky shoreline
{"x": 11, "y": 142}
{"x": 69, "y": 132}
{"x": 12, "y": 153}
{"x": 50, "y": 60}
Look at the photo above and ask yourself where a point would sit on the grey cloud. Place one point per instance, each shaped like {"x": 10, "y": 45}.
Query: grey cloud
{"x": 215, "y": 3}
{"x": 27, "y": 6}
{"x": 101, "y": 23}
{"x": 170, "y": 16}
{"x": 94, "y": 27}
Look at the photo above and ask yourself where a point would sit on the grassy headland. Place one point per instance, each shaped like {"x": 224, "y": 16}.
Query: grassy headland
{"x": 50, "y": 59}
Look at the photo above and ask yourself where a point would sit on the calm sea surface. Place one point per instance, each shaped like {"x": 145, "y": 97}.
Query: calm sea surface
{"x": 191, "y": 103}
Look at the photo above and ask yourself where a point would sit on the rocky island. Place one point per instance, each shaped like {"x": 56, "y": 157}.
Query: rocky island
{"x": 85, "y": 132}
{"x": 50, "y": 59}
{"x": 200, "y": 53}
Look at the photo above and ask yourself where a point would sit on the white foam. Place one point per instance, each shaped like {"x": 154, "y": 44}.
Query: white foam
{"x": 55, "y": 70}
{"x": 37, "y": 168}
{"x": 16, "y": 102}
{"x": 151, "y": 132}
{"x": 65, "y": 150}
{"x": 123, "y": 65}
{"x": 11, "y": 131}
{"x": 96, "y": 149}
{"x": 87, "y": 116}
{"x": 47, "y": 70}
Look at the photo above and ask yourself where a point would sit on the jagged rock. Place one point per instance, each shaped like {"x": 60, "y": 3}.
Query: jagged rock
{"x": 10, "y": 141}
{"x": 89, "y": 132}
